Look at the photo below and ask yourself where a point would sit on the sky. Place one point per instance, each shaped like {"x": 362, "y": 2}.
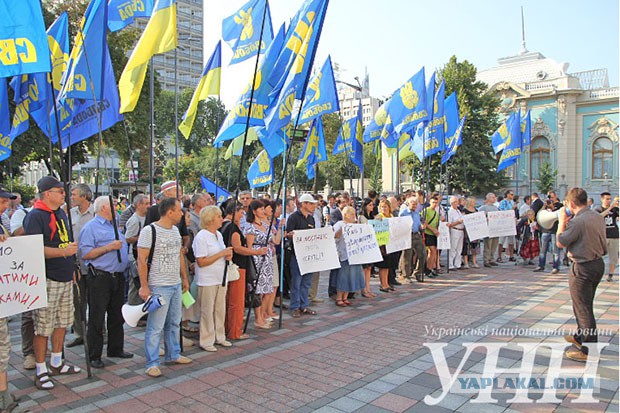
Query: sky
{"x": 392, "y": 39}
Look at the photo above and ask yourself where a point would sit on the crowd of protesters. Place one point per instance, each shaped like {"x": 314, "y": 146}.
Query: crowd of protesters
{"x": 234, "y": 256}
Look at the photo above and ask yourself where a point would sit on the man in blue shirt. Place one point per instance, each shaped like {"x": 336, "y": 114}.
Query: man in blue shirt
{"x": 106, "y": 258}
{"x": 414, "y": 258}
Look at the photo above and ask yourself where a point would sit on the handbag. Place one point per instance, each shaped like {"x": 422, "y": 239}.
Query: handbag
{"x": 251, "y": 275}
{"x": 233, "y": 271}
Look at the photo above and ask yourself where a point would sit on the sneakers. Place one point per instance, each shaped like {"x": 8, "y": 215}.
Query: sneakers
{"x": 539, "y": 269}
{"x": 576, "y": 355}
{"x": 153, "y": 371}
{"x": 555, "y": 271}
{"x": 184, "y": 360}
{"x": 29, "y": 362}
{"x": 224, "y": 343}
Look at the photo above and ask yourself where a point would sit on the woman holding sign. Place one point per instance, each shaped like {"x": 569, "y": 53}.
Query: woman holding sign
{"x": 389, "y": 260}
{"x": 369, "y": 211}
{"x": 350, "y": 278}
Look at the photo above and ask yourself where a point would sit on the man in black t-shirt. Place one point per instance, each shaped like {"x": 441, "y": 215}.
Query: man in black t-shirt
{"x": 300, "y": 283}
{"x": 48, "y": 219}
{"x": 548, "y": 240}
{"x": 610, "y": 213}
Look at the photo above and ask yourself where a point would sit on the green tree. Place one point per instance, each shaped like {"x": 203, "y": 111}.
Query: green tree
{"x": 473, "y": 168}
{"x": 546, "y": 177}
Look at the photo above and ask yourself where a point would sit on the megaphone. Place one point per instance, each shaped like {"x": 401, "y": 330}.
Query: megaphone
{"x": 133, "y": 313}
{"x": 546, "y": 219}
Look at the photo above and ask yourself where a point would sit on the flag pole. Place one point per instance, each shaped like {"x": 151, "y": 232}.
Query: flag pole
{"x": 152, "y": 128}
{"x": 176, "y": 121}
{"x": 133, "y": 168}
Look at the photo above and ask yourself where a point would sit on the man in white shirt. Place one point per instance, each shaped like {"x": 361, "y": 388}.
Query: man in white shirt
{"x": 457, "y": 234}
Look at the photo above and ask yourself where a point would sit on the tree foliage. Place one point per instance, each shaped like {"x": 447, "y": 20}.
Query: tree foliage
{"x": 473, "y": 168}
{"x": 546, "y": 177}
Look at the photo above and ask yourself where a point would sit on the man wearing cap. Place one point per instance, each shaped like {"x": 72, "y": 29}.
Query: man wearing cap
{"x": 7, "y": 401}
{"x": 300, "y": 283}
{"x": 48, "y": 219}
{"x": 105, "y": 255}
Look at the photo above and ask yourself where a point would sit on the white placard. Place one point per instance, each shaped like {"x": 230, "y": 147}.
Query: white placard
{"x": 400, "y": 234}
{"x": 361, "y": 243}
{"x": 476, "y": 225}
{"x": 443, "y": 240}
{"x": 315, "y": 250}
{"x": 502, "y": 223}
{"x": 22, "y": 278}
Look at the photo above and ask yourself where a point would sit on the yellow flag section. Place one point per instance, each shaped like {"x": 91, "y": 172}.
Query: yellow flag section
{"x": 160, "y": 35}
{"x": 209, "y": 84}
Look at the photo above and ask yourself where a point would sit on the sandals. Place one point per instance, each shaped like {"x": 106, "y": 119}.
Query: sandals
{"x": 189, "y": 329}
{"x": 340, "y": 303}
{"x": 60, "y": 371}
{"x": 40, "y": 381}
{"x": 308, "y": 311}
{"x": 346, "y": 302}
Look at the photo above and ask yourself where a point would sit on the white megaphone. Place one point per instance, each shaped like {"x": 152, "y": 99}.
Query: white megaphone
{"x": 546, "y": 218}
{"x": 133, "y": 313}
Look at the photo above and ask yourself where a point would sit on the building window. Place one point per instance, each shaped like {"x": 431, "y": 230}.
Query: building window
{"x": 602, "y": 158}
{"x": 539, "y": 154}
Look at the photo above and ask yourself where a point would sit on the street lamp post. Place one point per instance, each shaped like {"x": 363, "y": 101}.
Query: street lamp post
{"x": 359, "y": 89}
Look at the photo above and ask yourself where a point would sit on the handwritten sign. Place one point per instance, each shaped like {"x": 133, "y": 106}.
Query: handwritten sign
{"x": 476, "y": 225}
{"x": 443, "y": 241}
{"x": 382, "y": 230}
{"x": 502, "y": 223}
{"x": 400, "y": 234}
{"x": 315, "y": 250}
{"x": 22, "y": 275}
{"x": 361, "y": 243}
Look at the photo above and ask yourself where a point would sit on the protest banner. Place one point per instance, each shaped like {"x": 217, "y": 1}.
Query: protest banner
{"x": 361, "y": 243}
{"x": 443, "y": 240}
{"x": 400, "y": 234}
{"x": 382, "y": 230}
{"x": 315, "y": 250}
{"x": 476, "y": 225}
{"x": 22, "y": 280}
{"x": 502, "y": 223}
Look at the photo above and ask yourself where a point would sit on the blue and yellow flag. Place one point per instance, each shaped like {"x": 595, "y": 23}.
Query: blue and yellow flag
{"x": 159, "y": 36}
{"x": 236, "y": 145}
{"x": 453, "y": 142}
{"x": 260, "y": 172}
{"x": 374, "y": 128}
{"x": 350, "y": 140}
{"x": 23, "y": 39}
{"x": 408, "y": 106}
{"x": 436, "y": 126}
{"x": 417, "y": 141}
{"x": 526, "y": 129}
{"x": 450, "y": 125}
{"x": 234, "y": 124}
{"x": 208, "y": 185}
{"x": 209, "y": 84}
{"x": 83, "y": 78}
{"x": 31, "y": 93}
{"x": 58, "y": 41}
{"x": 314, "y": 150}
{"x": 274, "y": 143}
{"x": 512, "y": 141}
{"x": 242, "y": 30}
{"x": 499, "y": 140}
{"x": 405, "y": 141}
{"x": 121, "y": 13}
{"x": 5, "y": 122}
{"x": 302, "y": 37}
{"x": 321, "y": 95}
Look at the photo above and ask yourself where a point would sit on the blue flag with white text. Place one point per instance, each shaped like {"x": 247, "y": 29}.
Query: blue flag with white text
{"x": 321, "y": 95}
{"x": 260, "y": 172}
{"x": 314, "y": 150}
{"x": 121, "y": 13}
{"x": 242, "y": 30}
{"x": 500, "y": 137}
{"x": 436, "y": 126}
{"x": 526, "y": 129}
{"x": 372, "y": 132}
{"x": 408, "y": 106}
{"x": 30, "y": 96}
{"x": 23, "y": 38}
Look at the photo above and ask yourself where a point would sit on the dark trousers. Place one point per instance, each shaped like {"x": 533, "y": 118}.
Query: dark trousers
{"x": 79, "y": 290}
{"x": 106, "y": 295}
{"x": 27, "y": 333}
{"x": 582, "y": 282}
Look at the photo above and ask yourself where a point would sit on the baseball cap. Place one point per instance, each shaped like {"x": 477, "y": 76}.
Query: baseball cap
{"x": 5, "y": 194}
{"x": 307, "y": 198}
{"x": 48, "y": 182}
{"x": 168, "y": 185}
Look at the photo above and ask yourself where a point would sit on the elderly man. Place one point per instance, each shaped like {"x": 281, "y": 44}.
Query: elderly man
{"x": 490, "y": 243}
{"x": 104, "y": 251}
{"x": 415, "y": 257}
{"x": 457, "y": 234}
{"x": 48, "y": 218}
{"x": 134, "y": 225}
{"x": 82, "y": 211}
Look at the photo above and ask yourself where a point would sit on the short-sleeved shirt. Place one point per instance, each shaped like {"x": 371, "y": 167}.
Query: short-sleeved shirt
{"x": 17, "y": 219}
{"x": 227, "y": 228}
{"x": 207, "y": 244}
{"x": 611, "y": 227}
{"x": 415, "y": 218}
{"x": 38, "y": 222}
{"x": 431, "y": 217}
{"x": 584, "y": 237}
{"x": 99, "y": 232}
{"x": 297, "y": 221}
{"x": 166, "y": 265}
{"x": 340, "y": 242}
{"x": 152, "y": 215}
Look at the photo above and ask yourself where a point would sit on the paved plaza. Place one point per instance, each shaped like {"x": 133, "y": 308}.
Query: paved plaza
{"x": 369, "y": 357}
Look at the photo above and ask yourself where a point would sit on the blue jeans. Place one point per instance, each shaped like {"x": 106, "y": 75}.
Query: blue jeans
{"x": 546, "y": 239}
{"x": 168, "y": 318}
{"x": 300, "y": 286}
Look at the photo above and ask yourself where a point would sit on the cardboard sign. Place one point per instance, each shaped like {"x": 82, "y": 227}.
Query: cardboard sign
{"x": 361, "y": 243}
{"x": 443, "y": 240}
{"x": 382, "y": 230}
{"x": 22, "y": 276}
{"x": 476, "y": 225}
{"x": 400, "y": 234}
{"x": 315, "y": 250}
{"x": 502, "y": 223}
